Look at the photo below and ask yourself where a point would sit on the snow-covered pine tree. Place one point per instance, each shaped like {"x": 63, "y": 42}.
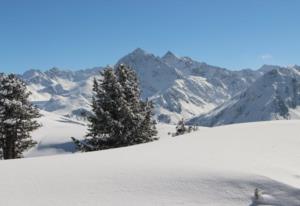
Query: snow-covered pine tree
{"x": 17, "y": 117}
{"x": 106, "y": 127}
{"x": 138, "y": 121}
{"x": 131, "y": 120}
{"x": 120, "y": 117}
{"x": 148, "y": 128}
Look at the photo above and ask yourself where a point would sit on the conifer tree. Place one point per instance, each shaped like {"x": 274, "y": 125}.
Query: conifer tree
{"x": 138, "y": 122}
{"x": 120, "y": 117}
{"x": 148, "y": 129}
{"x": 105, "y": 126}
{"x": 17, "y": 117}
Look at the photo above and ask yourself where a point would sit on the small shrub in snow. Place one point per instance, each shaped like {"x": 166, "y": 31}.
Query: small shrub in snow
{"x": 181, "y": 128}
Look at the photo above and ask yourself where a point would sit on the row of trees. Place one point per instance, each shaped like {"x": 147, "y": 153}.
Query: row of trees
{"x": 119, "y": 117}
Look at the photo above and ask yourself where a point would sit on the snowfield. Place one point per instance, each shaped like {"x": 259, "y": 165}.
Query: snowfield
{"x": 218, "y": 166}
{"x": 54, "y": 135}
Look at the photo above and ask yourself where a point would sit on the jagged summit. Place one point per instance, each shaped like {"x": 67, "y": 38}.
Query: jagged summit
{"x": 169, "y": 54}
{"x": 136, "y": 55}
{"x": 55, "y": 69}
{"x": 139, "y": 51}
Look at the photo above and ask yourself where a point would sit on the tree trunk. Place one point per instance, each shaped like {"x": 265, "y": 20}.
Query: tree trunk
{"x": 9, "y": 148}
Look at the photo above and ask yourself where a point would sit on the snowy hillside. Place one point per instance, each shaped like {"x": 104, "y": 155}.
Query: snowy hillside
{"x": 179, "y": 86}
{"x": 54, "y": 137}
{"x": 218, "y": 166}
{"x": 276, "y": 95}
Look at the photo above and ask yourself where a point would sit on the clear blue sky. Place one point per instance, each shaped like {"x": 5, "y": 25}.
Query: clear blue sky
{"x": 78, "y": 34}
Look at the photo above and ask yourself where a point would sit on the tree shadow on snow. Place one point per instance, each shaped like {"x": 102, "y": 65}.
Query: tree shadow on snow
{"x": 66, "y": 146}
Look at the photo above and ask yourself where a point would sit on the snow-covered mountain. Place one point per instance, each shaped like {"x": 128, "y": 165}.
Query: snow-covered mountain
{"x": 275, "y": 95}
{"x": 180, "y": 87}
{"x": 61, "y": 91}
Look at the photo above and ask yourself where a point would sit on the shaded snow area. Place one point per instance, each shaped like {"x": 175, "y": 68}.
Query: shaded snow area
{"x": 54, "y": 135}
{"x": 219, "y": 166}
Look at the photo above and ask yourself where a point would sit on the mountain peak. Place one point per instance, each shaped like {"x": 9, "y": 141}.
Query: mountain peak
{"x": 169, "y": 54}
{"x": 136, "y": 55}
{"x": 170, "y": 58}
{"x": 54, "y": 69}
{"x": 139, "y": 51}
{"x": 31, "y": 73}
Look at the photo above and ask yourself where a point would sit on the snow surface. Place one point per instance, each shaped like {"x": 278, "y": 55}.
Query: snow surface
{"x": 214, "y": 166}
{"x": 54, "y": 135}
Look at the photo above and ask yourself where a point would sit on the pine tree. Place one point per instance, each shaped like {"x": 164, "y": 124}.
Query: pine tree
{"x": 120, "y": 117}
{"x": 108, "y": 102}
{"x": 17, "y": 117}
{"x": 138, "y": 120}
{"x": 148, "y": 129}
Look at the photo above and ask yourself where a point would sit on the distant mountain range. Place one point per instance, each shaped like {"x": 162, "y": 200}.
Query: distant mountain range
{"x": 273, "y": 96}
{"x": 180, "y": 87}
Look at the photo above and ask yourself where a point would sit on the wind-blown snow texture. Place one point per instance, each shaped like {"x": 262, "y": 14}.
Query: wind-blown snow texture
{"x": 215, "y": 166}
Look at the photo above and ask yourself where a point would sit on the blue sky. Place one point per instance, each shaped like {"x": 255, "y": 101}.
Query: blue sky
{"x": 78, "y": 34}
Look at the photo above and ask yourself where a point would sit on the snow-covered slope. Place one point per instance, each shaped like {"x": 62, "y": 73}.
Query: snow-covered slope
{"x": 218, "y": 166}
{"x": 54, "y": 137}
{"x": 226, "y": 81}
{"x": 276, "y": 95}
